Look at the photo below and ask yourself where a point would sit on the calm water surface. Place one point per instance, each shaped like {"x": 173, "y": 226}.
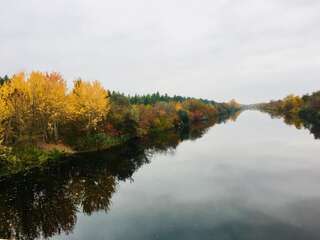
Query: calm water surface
{"x": 256, "y": 178}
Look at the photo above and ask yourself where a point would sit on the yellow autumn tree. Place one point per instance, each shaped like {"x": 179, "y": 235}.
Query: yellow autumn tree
{"x": 291, "y": 104}
{"x": 4, "y": 114}
{"x": 32, "y": 106}
{"x": 14, "y": 114}
{"x": 88, "y": 104}
{"x": 47, "y": 94}
{"x": 178, "y": 106}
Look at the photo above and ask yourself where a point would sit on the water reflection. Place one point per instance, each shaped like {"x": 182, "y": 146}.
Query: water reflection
{"x": 211, "y": 188}
{"x": 45, "y": 202}
{"x": 299, "y": 123}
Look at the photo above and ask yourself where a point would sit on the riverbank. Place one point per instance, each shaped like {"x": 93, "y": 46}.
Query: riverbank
{"x": 27, "y": 157}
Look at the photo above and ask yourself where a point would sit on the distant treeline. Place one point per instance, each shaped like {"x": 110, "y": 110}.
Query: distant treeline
{"x": 40, "y": 117}
{"x": 157, "y": 97}
{"x": 299, "y": 111}
{"x": 151, "y": 99}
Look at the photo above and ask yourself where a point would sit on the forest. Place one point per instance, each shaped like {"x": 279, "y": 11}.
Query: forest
{"x": 41, "y": 120}
{"x": 298, "y": 111}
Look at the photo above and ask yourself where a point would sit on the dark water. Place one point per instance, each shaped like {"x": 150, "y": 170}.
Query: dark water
{"x": 256, "y": 178}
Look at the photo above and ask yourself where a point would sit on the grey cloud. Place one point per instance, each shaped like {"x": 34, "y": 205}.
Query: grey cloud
{"x": 251, "y": 50}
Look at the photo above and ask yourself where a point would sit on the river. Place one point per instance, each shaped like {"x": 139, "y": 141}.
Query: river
{"x": 253, "y": 178}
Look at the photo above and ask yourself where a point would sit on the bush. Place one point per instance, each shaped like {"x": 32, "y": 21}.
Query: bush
{"x": 25, "y": 157}
{"x": 99, "y": 141}
{"x": 183, "y": 117}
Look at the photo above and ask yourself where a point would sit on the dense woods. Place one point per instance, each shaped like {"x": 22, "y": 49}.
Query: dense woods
{"x": 299, "y": 111}
{"x": 40, "y": 118}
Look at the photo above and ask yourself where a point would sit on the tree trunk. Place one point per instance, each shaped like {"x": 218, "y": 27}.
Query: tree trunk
{"x": 55, "y": 131}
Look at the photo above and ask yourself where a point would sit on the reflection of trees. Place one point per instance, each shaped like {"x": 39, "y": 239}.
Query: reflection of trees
{"x": 298, "y": 122}
{"x": 31, "y": 207}
{"x": 44, "y": 202}
{"x": 310, "y": 123}
{"x": 314, "y": 128}
{"x": 235, "y": 116}
{"x": 293, "y": 120}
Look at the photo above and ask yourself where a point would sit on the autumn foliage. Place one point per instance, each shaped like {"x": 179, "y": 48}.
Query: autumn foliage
{"x": 35, "y": 107}
{"x": 38, "y": 110}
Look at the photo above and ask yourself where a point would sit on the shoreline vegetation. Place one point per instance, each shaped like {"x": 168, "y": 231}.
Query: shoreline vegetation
{"x": 42, "y": 121}
{"x": 298, "y": 111}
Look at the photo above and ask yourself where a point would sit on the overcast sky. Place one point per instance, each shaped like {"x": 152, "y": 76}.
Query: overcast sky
{"x": 251, "y": 50}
